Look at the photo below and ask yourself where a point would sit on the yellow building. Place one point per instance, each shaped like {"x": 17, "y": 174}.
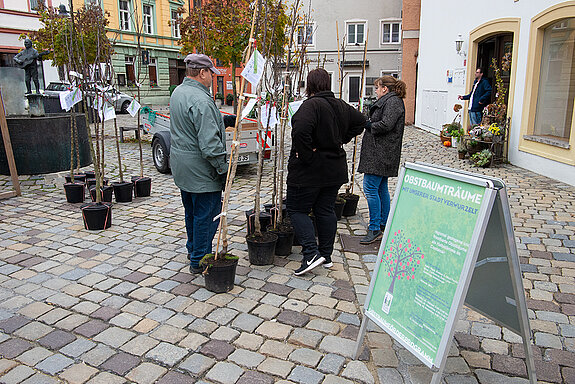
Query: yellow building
{"x": 160, "y": 63}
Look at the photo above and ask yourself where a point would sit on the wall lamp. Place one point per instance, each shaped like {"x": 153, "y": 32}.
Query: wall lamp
{"x": 459, "y": 45}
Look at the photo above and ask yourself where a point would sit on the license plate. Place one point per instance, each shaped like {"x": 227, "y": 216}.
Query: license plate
{"x": 243, "y": 158}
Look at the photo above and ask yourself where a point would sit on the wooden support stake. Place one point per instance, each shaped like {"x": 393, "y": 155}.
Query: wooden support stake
{"x": 9, "y": 154}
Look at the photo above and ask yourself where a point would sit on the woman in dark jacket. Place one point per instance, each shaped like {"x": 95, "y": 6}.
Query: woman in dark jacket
{"x": 381, "y": 151}
{"x": 317, "y": 167}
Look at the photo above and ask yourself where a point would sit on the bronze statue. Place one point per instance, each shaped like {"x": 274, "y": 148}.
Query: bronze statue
{"x": 26, "y": 60}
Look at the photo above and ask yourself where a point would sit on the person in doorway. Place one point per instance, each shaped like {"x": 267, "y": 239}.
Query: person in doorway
{"x": 317, "y": 167}
{"x": 381, "y": 151}
{"x": 198, "y": 155}
{"x": 479, "y": 97}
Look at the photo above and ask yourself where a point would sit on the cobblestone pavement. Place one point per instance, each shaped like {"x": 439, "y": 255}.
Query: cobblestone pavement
{"x": 119, "y": 305}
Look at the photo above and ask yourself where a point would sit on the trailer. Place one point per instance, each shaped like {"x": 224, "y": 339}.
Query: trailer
{"x": 158, "y": 125}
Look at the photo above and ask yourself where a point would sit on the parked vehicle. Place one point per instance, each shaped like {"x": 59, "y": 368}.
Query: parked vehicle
{"x": 56, "y": 87}
{"x": 118, "y": 99}
{"x": 161, "y": 140}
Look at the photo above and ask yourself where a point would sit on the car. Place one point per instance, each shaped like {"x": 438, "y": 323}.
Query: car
{"x": 120, "y": 100}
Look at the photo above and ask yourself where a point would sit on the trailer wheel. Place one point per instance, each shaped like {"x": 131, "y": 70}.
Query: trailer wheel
{"x": 161, "y": 159}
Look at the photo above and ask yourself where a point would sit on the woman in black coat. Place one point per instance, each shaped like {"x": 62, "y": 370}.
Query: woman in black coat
{"x": 317, "y": 167}
{"x": 381, "y": 151}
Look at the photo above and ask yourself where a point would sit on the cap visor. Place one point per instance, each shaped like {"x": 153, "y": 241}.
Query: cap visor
{"x": 215, "y": 71}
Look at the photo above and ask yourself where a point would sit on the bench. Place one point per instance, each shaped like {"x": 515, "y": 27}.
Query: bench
{"x": 124, "y": 129}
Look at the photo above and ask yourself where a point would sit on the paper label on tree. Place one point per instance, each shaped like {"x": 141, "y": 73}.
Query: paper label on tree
{"x": 134, "y": 107}
{"x": 63, "y": 103}
{"x": 70, "y": 98}
{"x": 109, "y": 113}
{"x": 248, "y": 108}
{"x": 292, "y": 109}
{"x": 269, "y": 112}
{"x": 254, "y": 68}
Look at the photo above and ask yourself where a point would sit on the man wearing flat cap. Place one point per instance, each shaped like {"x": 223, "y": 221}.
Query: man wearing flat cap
{"x": 198, "y": 155}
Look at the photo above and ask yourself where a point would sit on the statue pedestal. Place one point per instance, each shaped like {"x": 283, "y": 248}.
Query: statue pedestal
{"x": 36, "y": 104}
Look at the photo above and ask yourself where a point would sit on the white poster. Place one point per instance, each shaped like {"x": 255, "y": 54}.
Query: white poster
{"x": 269, "y": 111}
{"x": 109, "y": 113}
{"x": 70, "y": 98}
{"x": 133, "y": 108}
{"x": 229, "y": 85}
{"x": 248, "y": 108}
{"x": 254, "y": 68}
{"x": 292, "y": 109}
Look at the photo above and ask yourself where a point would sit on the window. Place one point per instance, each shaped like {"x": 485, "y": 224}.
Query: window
{"x": 305, "y": 35}
{"x": 130, "y": 72}
{"x": 35, "y": 4}
{"x": 124, "y": 15}
{"x": 390, "y": 33}
{"x": 556, "y": 93}
{"x": 390, "y": 73}
{"x": 175, "y": 23}
{"x": 153, "y": 72}
{"x": 356, "y": 33}
{"x": 147, "y": 12}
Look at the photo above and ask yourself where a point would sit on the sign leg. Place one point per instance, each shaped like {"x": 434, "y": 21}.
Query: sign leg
{"x": 360, "y": 337}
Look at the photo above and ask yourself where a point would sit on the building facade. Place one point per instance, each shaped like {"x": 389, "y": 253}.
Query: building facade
{"x": 539, "y": 39}
{"x": 378, "y": 23}
{"x": 146, "y": 52}
{"x": 410, "y": 47}
{"x": 19, "y": 17}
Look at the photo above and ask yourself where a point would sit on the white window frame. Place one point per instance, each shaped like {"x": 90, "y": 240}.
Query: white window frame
{"x": 311, "y": 30}
{"x": 348, "y": 23}
{"x": 174, "y": 23}
{"x": 124, "y": 15}
{"x": 148, "y": 19}
{"x": 390, "y": 22}
{"x": 390, "y": 72}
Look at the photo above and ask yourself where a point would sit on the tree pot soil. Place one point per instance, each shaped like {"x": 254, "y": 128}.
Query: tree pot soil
{"x": 350, "y": 206}
{"x": 338, "y": 208}
{"x": 90, "y": 182}
{"x": 265, "y": 220}
{"x": 123, "y": 191}
{"x": 285, "y": 235}
{"x": 80, "y": 177}
{"x": 75, "y": 192}
{"x": 220, "y": 274}
{"x": 105, "y": 193}
{"x": 142, "y": 186}
{"x": 97, "y": 216}
{"x": 261, "y": 249}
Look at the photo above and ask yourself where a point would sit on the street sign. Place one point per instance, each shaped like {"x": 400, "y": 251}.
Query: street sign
{"x": 447, "y": 230}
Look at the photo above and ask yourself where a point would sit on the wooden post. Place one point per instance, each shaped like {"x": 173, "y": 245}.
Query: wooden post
{"x": 9, "y": 154}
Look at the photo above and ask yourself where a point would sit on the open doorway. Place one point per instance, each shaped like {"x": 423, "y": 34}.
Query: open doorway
{"x": 495, "y": 47}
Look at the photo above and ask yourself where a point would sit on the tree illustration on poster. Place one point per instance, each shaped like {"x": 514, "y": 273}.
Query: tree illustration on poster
{"x": 402, "y": 261}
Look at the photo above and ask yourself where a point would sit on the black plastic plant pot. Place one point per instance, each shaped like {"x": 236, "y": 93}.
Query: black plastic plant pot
{"x": 270, "y": 208}
{"x": 97, "y": 216}
{"x": 265, "y": 220}
{"x": 123, "y": 191}
{"x": 80, "y": 177}
{"x": 221, "y": 276}
{"x": 75, "y": 192}
{"x": 350, "y": 206}
{"x": 91, "y": 181}
{"x": 339, "y": 205}
{"x": 284, "y": 243}
{"x": 142, "y": 186}
{"x": 90, "y": 174}
{"x": 105, "y": 193}
{"x": 261, "y": 250}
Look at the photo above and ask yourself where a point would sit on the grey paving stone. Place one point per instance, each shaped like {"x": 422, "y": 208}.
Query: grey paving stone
{"x": 98, "y": 355}
{"x": 338, "y": 345}
{"x": 348, "y": 318}
{"x": 305, "y": 356}
{"x": 305, "y": 375}
{"x": 14, "y": 347}
{"x": 17, "y": 375}
{"x": 245, "y": 358}
{"x": 146, "y": 373}
{"x": 124, "y": 288}
{"x": 202, "y": 294}
{"x": 78, "y": 347}
{"x": 252, "y": 377}
{"x": 197, "y": 364}
{"x": 222, "y": 316}
{"x": 331, "y": 363}
{"x": 40, "y": 378}
{"x": 486, "y": 330}
{"x": 460, "y": 379}
{"x": 389, "y": 375}
{"x": 34, "y": 356}
{"x": 489, "y": 377}
{"x": 358, "y": 372}
{"x": 167, "y": 354}
{"x": 160, "y": 314}
{"x": 121, "y": 363}
{"x": 305, "y": 337}
{"x": 246, "y": 322}
{"x": 54, "y": 364}
{"x": 225, "y": 373}
{"x": 114, "y": 336}
{"x": 166, "y": 285}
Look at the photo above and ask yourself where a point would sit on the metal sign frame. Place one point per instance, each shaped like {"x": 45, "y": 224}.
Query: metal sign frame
{"x": 495, "y": 193}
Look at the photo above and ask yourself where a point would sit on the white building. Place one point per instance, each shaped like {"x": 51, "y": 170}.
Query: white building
{"x": 20, "y": 17}
{"x": 377, "y": 22}
{"x": 541, "y": 81}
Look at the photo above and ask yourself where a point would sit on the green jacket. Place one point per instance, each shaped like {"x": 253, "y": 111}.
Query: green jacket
{"x": 198, "y": 148}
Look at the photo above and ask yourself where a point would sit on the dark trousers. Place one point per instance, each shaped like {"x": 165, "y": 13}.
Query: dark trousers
{"x": 200, "y": 209}
{"x": 300, "y": 202}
